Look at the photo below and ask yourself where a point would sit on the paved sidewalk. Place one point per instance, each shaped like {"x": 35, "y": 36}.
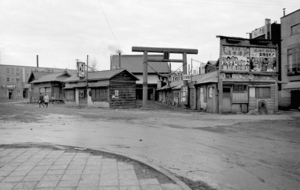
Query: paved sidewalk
{"x": 48, "y": 169}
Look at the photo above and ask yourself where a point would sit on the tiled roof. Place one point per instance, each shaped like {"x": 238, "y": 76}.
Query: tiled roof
{"x": 99, "y": 75}
{"x": 134, "y": 63}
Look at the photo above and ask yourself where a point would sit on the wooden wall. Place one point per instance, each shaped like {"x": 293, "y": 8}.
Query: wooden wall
{"x": 125, "y": 84}
{"x": 270, "y": 101}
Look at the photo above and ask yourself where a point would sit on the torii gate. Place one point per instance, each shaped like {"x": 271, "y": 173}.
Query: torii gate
{"x": 166, "y": 52}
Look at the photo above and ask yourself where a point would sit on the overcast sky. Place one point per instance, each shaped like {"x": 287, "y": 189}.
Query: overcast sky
{"x": 61, "y": 31}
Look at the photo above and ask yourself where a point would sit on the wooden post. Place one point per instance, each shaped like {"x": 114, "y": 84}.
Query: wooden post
{"x": 220, "y": 80}
{"x": 145, "y": 80}
{"x": 184, "y": 66}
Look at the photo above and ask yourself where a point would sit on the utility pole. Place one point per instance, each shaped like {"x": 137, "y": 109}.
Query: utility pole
{"x": 87, "y": 72}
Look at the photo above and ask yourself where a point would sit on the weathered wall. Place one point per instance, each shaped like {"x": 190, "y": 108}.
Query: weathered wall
{"x": 125, "y": 85}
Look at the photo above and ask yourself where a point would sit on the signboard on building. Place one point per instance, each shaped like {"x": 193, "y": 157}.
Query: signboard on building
{"x": 186, "y": 77}
{"x": 11, "y": 86}
{"x": 258, "y": 32}
{"x": 235, "y": 58}
{"x": 184, "y": 94}
{"x": 263, "y": 59}
{"x": 81, "y": 69}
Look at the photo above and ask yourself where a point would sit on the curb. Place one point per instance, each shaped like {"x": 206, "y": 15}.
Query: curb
{"x": 144, "y": 161}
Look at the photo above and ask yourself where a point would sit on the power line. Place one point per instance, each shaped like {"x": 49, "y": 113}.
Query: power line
{"x": 109, "y": 25}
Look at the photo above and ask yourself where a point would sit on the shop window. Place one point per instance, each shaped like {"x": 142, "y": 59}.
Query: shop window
{"x": 99, "y": 94}
{"x": 263, "y": 92}
{"x": 48, "y": 90}
{"x": 239, "y": 88}
{"x": 295, "y": 29}
{"x": 70, "y": 95}
{"x": 42, "y": 90}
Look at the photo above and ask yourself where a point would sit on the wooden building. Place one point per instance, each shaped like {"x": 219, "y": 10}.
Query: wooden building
{"x": 134, "y": 64}
{"x": 245, "y": 80}
{"x": 111, "y": 88}
{"x": 170, "y": 93}
{"x": 47, "y": 83}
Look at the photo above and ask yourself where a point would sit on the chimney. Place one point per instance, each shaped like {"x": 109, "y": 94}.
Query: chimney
{"x": 37, "y": 61}
{"x": 119, "y": 60}
{"x": 283, "y": 11}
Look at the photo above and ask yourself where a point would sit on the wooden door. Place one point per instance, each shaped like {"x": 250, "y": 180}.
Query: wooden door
{"x": 226, "y": 100}
{"x": 82, "y": 97}
{"x": 198, "y": 99}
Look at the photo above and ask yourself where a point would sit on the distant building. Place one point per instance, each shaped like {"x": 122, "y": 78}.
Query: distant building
{"x": 111, "y": 88}
{"x": 48, "y": 83}
{"x": 290, "y": 59}
{"x": 134, "y": 64}
{"x": 210, "y": 66}
{"x": 14, "y": 80}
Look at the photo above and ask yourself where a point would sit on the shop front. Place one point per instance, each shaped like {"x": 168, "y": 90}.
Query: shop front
{"x": 247, "y": 75}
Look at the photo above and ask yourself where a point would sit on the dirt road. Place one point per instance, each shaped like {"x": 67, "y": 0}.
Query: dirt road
{"x": 225, "y": 151}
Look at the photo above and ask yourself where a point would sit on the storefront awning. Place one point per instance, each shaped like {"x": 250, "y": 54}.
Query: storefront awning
{"x": 292, "y": 86}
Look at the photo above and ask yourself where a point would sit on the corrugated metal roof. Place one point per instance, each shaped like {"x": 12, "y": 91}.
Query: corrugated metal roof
{"x": 134, "y": 63}
{"x": 292, "y": 86}
{"x": 99, "y": 75}
{"x": 206, "y": 78}
{"x": 174, "y": 84}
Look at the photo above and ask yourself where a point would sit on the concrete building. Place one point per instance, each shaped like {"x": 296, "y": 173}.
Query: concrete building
{"x": 14, "y": 80}
{"x": 289, "y": 96}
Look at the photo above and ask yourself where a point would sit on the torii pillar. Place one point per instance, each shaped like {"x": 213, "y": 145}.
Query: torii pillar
{"x": 166, "y": 52}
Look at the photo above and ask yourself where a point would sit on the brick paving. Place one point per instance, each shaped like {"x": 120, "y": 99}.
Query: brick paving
{"x": 47, "y": 169}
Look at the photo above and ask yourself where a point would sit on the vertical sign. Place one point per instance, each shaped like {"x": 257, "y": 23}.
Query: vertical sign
{"x": 184, "y": 94}
{"x": 80, "y": 69}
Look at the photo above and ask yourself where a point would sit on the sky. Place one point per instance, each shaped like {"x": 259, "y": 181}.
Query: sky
{"x": 61, "y": 31}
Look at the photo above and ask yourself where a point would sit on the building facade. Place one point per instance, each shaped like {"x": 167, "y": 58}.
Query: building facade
{"x": 111, "y": 89}
{"x": 14, "y": 80}
{"x": 134, "y": 64}
{"x": 289, "y": 96}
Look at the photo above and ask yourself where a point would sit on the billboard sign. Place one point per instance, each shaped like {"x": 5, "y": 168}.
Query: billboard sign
{"x": 258, "y": 32}
{"x": 263, "y": 59}
{"x": 235, "y": 58}
{"x": 81, "y": 69}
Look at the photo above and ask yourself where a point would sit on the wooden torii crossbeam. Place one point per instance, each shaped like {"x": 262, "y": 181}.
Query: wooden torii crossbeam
{"x": 166, "y": 52}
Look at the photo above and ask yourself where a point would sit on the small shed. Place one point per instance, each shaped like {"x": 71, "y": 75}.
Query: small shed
{"x": 47, "y": 83}
{"x": 110, "y": 88}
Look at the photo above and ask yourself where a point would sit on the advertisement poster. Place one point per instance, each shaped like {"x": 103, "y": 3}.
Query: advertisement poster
{"x": 235, "y": 58}
{"x": 262, "y": 60}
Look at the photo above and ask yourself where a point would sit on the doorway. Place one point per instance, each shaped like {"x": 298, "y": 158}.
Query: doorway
{"x": 82, "y": 97}
{"x": 226, "y": 100}
{"x": 10, "y": 94}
